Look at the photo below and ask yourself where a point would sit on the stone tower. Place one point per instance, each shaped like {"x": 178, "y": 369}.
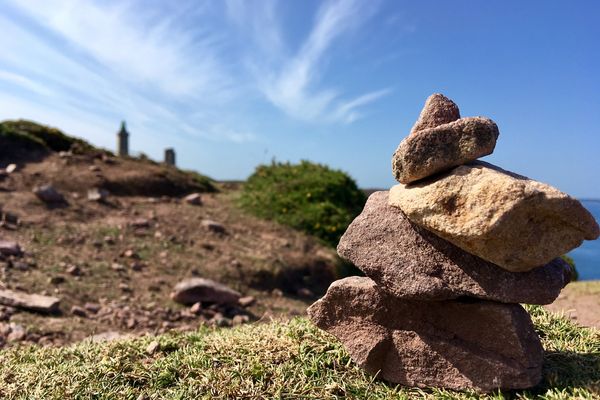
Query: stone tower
{"x": 170, "y": 156}
{"x": 123, "y": 141}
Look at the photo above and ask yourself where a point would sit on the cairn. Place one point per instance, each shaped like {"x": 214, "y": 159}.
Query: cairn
{"x": 448, "y": 255}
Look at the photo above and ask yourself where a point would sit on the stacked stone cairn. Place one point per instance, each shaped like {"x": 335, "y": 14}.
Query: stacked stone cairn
{"x": 448, "y": 255}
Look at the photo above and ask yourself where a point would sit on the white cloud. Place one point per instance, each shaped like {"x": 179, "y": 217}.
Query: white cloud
{"x": 138, "y": 46}
{"x": 112, "y": 89}
{"x": 294, "y": 86}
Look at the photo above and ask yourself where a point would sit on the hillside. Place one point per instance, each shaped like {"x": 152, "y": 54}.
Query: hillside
{"x": 113, "y": 263}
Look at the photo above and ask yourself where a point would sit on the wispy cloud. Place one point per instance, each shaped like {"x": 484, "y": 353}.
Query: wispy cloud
{"x": 115, "y": 62}
{"x": 137, "y": 45}
{"x": 294, "y": 84}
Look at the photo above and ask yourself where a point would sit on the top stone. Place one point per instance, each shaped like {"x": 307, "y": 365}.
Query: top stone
{"x": 441, "y": 140}
{"x": 438, "y": 110}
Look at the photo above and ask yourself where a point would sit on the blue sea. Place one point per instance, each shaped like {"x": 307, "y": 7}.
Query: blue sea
{"x": 587, "y": 257}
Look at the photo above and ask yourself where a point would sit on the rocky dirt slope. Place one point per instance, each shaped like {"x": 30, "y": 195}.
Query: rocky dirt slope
{"x": 113, "y": 263}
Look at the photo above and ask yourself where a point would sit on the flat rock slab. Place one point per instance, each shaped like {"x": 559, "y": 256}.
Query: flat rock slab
{"x": 457, "y": 345}
{"x": 410, "y": 262}
{"x": 507, "y": 219}
{"x": 432, "y": 150}
{"x": 194, "y": 199}
{"x": 202, "y": 290}
{"x": 32, "y": 302}
{"x": 10, "y": 248}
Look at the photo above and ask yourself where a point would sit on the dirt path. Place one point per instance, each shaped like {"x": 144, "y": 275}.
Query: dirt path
{"x": 580, "y": 301}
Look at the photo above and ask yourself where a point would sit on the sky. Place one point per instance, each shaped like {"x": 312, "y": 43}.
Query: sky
{"x": 236, "y": 83}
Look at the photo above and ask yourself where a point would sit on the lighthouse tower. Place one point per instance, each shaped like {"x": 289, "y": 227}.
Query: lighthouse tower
{"x": 123, "y": 141}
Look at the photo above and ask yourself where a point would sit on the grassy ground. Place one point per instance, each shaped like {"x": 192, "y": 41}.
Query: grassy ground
{"x": 274, "y": 360}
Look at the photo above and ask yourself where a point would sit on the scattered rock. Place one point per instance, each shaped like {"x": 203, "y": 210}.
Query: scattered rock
{"x": 411, "y": 262}
{"x": 140, "y": 223}
{"x": 196, "y": 308}
{"x": 246, "y": 301}
{"x": 433, "y": 150}
{"x": 9, "y": 248}
{"x": 17, "y": 333}
{"x": 98, "y": 195}
{"x": 452, "y": 344}
{"x": 78, "y": 311}
{"x": 92, "y": 307}
{"x": 33, "y": 302}
{"x": 220, "y": 320}
{"x": 10, "y": 168}
{"x": 20, "y": 265}
{"x": 94, "y": 168}
{"x": 48, "y": 194}
{"x": 240, "y": 319}
{"x": 193, "y": 199}
{"x": 74, "y": 270}
{"x": 137, "y": 266}
{"x": 195, "y": 290}
{"x": 213, "y": 226}
{"x": 130, "y": 254}
{"x": 117, "y": 267}
{"x": 438, "y": 110}
{"x": 504, "y": 218}
{"x": 153, "y": 347}
{"x": 125, "y": 287}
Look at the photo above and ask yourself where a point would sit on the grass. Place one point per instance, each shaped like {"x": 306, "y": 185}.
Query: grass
{"x": 41, "y": 135}
{"x": 289, "y": 360}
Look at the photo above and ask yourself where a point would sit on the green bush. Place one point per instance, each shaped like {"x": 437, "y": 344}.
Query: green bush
{"x": 306, "y": 196}
{"x": 571, "y": 262}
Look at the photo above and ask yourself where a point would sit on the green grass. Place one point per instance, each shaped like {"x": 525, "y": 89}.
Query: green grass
{"x": 307, "y": 196}
{"x": 291, "y": 360}
{"x": 34, "y": 134}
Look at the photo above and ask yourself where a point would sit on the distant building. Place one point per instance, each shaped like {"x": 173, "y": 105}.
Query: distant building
{"x": 123, "y": 141}
{"x": 170, "y": 156}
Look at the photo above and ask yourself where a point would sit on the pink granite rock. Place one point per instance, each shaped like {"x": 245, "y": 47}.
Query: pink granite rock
{"x": 453, "y": 344}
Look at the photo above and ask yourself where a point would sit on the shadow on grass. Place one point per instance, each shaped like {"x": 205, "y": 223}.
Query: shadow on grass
{"x": 564, "y": 369}
{"x": 565, "y": 372}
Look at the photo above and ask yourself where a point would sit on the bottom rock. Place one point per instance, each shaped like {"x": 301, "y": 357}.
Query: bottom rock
{"x": 452, "y": 344}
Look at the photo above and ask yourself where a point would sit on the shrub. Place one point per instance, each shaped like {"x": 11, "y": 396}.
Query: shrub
{"x": 571, "y": 262}
{"x": 307, "y": 196}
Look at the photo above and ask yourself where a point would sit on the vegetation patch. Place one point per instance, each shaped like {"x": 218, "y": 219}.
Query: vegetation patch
{"x": 307, "y": 196}
{"x": 37, "y": 134}
{"x": 276, "y": 360}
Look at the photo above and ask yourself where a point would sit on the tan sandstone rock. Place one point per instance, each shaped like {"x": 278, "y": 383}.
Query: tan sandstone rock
{"x": 437, "y": 149}
{"x": 451, "y": 344}
{"x": 410, "y": 262}
{"x": 504, "y": 218}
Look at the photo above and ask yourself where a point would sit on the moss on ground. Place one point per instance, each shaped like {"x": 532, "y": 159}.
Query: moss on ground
{"x": 276, "y": 360}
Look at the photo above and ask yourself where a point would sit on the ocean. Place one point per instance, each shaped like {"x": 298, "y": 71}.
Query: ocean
{"x": 587, "y": 256}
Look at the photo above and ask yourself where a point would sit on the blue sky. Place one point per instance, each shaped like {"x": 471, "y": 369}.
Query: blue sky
{"x": 232, "y": 84}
